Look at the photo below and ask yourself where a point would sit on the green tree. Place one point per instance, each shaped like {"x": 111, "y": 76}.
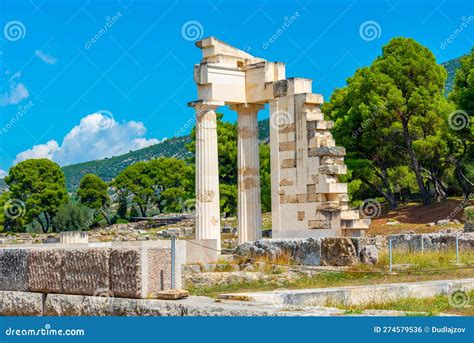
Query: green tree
{"x": 461, "y": 123}
{"x": 265, "y": 178}
{"x": 389, "y": 107}
{"x": 92, "y": 192}
{"x": 122, "y": 208}
{"x": 40, "y": 185}
{"x": 72, "y": 217}
{"x": 163, "y": 182}
{"x": 137, "y": 181}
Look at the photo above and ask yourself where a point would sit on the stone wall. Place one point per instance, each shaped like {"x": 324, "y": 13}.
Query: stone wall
{"x": 138, "y": 271}
{"x": 331, "y": 251}
{"x": 432, "y": 241}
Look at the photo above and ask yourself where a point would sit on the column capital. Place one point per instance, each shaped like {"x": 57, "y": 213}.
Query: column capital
{"x": 211, "y": 104}
{"x": 247, "y": 108}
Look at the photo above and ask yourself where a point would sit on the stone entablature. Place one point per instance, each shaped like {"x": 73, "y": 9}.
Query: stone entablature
{"x": 307, "y": 198}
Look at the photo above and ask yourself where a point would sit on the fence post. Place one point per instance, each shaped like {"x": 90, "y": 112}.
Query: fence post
{"x": 173, "y": 255}
{"x": 422, "y": 244}
{"x": 457, "y": 247}
{"x": 390, "y": 254}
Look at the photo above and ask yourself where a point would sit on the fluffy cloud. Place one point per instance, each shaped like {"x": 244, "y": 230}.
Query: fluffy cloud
{"x": 17, "y": 93}
{"x": 97, "y": 136}
{"x": 3, "y": 173}
{"x": 38, "y": 151}
{"x": 45, "y": 57}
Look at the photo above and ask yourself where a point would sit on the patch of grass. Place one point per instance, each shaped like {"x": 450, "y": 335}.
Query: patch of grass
{"x": 431, "y": 306}
{"x": 427, "y": 260}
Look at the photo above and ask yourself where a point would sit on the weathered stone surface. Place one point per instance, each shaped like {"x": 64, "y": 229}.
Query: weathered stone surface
{"x": 172, "y": 294}
{"x": 335, "y": 151}
{"x": 125, "y": 272}
{"x": 44, "y": 270}
{"x": 338, "y": 251}
{"x": 20, "y": 303}
{"x": 366, "y": 249}
{"x": 86, "y": 271}
{"x": 300, "y": 251}
{"x": 13, "y": 269}
{"x": 432, "y": 241}
{"x": 159, "y": 271}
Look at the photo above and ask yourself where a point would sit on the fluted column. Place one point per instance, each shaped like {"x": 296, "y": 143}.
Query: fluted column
{"x": 207, "y": 173}
{"x": 248, "y": 163}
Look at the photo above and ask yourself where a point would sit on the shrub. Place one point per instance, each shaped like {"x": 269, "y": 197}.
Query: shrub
{"x": 72, "y": 217}
{"x": 469, "y": 214}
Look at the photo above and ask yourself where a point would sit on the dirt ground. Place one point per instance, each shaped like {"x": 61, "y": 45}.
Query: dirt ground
{"x": 415, "y": 217}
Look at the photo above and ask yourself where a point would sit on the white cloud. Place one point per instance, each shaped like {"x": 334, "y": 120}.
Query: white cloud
{"x": 38, "y": 151}
{"x": 17, "y": 93}
{"x": 97, "y": 136}
{"x": 45, "y": 57}
{"x": 3, "y": 173}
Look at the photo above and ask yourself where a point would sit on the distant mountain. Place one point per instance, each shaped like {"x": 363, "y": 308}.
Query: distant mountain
{"x": 108, "y": 168}
{"x": 451, "y": 67}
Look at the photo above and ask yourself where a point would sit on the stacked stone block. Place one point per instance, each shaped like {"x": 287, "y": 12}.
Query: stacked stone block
{"x": 129, "y": 272}
{"x": 308, "y": 199}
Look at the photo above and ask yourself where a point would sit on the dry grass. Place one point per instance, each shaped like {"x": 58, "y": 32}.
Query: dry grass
{"x": 431, "y": 306}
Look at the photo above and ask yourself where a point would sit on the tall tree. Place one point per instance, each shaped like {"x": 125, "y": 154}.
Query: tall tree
{"x": 461, "y": 123}
{"x": 391, "y": 105}
{"x": 137, "y": 181}
{"x": 92, "y": 192}
{"x": 40, "y": 185}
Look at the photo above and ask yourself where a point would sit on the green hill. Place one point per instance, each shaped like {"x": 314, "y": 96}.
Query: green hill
{"x": 108, "y": 168}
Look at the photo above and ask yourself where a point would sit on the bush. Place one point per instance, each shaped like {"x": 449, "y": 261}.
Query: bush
{"x": 73, "y": 217}
{"x": 469, "y": 214}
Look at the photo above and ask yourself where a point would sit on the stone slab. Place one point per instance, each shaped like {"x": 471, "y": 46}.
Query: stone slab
{"x": 354, "y": 295}
{"x": 126, "y": 272}
{"x": 13, "y": 269}
{"x": 86, "y": 271}
{"x": 14, "y": 303}
{"x": 44, "y": 270}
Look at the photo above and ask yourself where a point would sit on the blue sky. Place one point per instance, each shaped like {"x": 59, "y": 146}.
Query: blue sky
{"x": 66, "y": 97}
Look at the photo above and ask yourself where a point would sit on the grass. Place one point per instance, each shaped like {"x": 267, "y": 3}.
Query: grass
{"x": 430, "y": 306}
{"x": 359, "y": 275}
{"x": 325, "y": 279}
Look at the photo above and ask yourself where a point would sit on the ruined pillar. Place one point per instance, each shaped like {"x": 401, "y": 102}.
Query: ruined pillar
{"x": 207, "y": 172}
{"x": 248, "y": 163}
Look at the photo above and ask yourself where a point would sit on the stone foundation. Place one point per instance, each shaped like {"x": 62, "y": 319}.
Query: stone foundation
{"x": 333, "y": 251}
{"x": 133, "y": 271}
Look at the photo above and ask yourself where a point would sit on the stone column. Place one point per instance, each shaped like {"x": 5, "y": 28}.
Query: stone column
{"x": 248, "y": 163}
{"x": 207, "y": 172}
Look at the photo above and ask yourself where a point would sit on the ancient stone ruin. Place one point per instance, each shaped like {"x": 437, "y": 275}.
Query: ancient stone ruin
{"x": 307, "y": 198}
